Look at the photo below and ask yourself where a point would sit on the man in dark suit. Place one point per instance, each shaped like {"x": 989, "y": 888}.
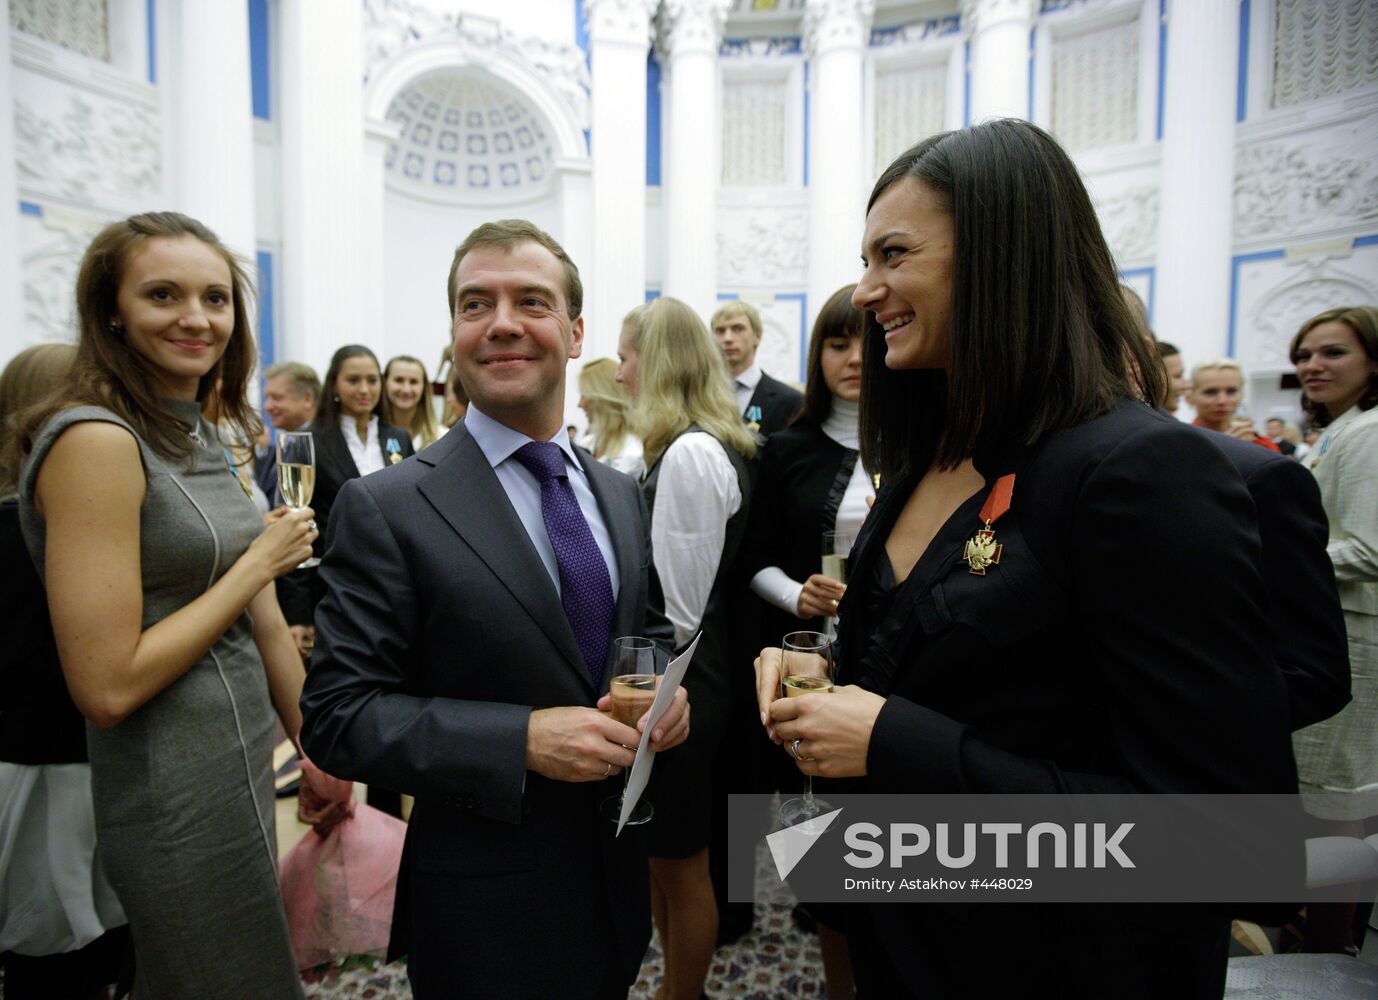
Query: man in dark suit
{"x": 1309, "y": 645}
{"x": 472, "y": 593}
{"x": 766, "y": 404}
{"x": 290, "y": 391}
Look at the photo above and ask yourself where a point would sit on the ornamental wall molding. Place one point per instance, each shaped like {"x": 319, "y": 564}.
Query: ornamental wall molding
{"x": 1275, "y": 316}
{"x": 685, "y": 26}
{"x": 392, "y": 28}
{"x": 836, "y": 24}
{"x": 50, "y": 272}
{"x": 762, "y": 244}
{"x": 58, "y": 64}
{"x": 760, "y": 48}
{"x": 1294, "y": 189}
{"x": 95, "y": 151}
{"x": 915, "y": 34}
{"x": 1129, "y": 221}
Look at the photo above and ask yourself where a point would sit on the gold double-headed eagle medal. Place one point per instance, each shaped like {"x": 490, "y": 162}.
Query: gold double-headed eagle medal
{"x": 982, "y": 550}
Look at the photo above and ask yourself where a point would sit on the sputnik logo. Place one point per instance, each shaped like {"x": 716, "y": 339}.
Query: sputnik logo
{"x": 788, "y": 846}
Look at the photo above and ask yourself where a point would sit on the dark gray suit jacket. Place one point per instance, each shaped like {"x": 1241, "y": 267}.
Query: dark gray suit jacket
{"x": 439, "y": 632}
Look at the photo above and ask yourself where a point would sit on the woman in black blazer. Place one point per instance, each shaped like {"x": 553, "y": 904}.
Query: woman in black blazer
{"x": 351, "y": 440}
{"x": 1002, "y": 379}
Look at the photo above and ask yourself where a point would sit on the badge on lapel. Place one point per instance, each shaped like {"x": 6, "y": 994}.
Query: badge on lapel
{"x": 394, "y": 451}
{"x": 753, "y": 417}
{"x": 982, "y": 550}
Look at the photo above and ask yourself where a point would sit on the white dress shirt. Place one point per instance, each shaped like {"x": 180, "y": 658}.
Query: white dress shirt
{"x": 498, "y": 442}
{"x": 367, "y": 453}
{"x": 744, "y": 386}
{"x": 696, "y": 493}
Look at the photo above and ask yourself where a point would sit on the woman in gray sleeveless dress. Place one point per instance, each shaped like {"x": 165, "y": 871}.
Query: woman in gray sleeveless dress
{"x": 159, "y": 576}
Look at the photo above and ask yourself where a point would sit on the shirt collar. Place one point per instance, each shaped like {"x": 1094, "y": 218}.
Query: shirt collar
{"x": 749, "y": 378}
{"x": 498, "y": 442}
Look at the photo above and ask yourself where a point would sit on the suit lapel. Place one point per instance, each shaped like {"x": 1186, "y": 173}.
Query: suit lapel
{"x": 465, "y": 491}
{"x": 336, "y": 450}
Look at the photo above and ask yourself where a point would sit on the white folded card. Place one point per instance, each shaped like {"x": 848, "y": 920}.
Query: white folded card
{"x": 645, "y": 757}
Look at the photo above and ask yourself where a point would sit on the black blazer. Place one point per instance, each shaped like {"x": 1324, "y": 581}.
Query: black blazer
{"x": 779, "y": 404}
{"x": 440, "y": 631}
{"x": 1303, "y": 601}
{"x": 800, "y": 480}
{"x": 1120, "y": 645}
{"x": 299, "y": 591}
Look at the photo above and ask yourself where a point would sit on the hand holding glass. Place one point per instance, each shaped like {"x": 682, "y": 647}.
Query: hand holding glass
{"x": 635, "y": 680}
{"x": 297, "y": 473}
{"x": 806, "y": 667}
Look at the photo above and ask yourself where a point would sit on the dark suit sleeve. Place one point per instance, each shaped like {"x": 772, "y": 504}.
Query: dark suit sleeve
{"x": 1307, "y": 621}
{"x": 359, "y": 719}
{"x": 1166, "y": 607}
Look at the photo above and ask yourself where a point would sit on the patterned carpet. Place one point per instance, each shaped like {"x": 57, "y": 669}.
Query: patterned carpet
{"x": 776, "y": 960}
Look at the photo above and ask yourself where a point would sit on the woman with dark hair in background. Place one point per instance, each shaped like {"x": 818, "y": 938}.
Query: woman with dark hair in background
{"x": 159, "y": 575}
{"x": 407, "y": 400}
{"x": 351, "y": 441}
{"x": 698, "y": 490}
{"x": 1002, "y": 628}
{"x": 62, "y": 932}
{"x": 1336, "y": 355}
{"x": 811, "y": 481}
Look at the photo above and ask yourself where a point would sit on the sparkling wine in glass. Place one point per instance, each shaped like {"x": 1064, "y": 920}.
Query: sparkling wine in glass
{"x": 806, "y": 668}
{"x": 836, "y": 546}
{"x": 635, "y": 680}
{"x": 297, "y": 474}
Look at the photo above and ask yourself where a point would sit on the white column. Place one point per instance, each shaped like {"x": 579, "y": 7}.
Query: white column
{"x": 690, "y": 32}
{"x": 12, "y": 334}
{"x": 835, "y": 34}
{"x": 372, "y": 193}
{"x": 323, "y": 277}
{"x": 615, "y": 279}
{"x": 999, "y": 33}
{"x": 212, "y": 131}
{"x": 1196, "y": 187}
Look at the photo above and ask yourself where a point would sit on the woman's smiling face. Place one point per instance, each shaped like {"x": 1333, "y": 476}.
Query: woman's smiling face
{"x": 907, "y": 252}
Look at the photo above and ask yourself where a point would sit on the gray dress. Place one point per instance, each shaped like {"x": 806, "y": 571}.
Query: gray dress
{"x": 183, "y": 787}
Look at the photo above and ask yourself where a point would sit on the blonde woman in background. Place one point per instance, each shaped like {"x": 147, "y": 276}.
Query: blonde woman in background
{"x": 407, "y": 400}
{"x": 608, "y": 407}
{"x": 698, "y": 491}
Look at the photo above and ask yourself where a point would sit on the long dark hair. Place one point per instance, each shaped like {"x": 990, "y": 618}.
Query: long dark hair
{"x": 837, "y": 318}
{"x": 1363, "y": 320}
{"x": 108, "y": 373}
{"x": 1041, "y": 339}
{"x": 328, "y": 409}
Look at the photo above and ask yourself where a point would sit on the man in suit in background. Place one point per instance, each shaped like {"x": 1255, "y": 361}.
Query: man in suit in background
{"x": 766, "y": 404}
{"x": 472, "y": 593}
{"x": 290, "y": 391}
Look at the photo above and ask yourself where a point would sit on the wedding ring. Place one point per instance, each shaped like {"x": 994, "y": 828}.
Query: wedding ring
{"x": 608, "y": 772}
{"x": 312, "y": 525}
{"x": 794, "y": 751}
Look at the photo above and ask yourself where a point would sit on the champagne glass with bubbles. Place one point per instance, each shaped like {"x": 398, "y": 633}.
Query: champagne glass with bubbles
{"x": 297, "y": 473}
{"x": 806, "y": 668}
{"x": 635, "y": 680}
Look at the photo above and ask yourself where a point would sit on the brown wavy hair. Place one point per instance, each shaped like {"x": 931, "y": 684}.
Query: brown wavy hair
{"x": 1363, "y": 320}
{"x": 31, "y": 377}
{"x": 108, "y": 373}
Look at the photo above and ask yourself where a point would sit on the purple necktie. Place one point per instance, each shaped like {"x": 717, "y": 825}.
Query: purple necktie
{"x": 585, "y": 587}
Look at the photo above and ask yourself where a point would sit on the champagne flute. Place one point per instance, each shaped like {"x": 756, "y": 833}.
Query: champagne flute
{"x": 806, "y": 667}
{"x": 297, "y": 474}
{"x": 635, "y": 680}
{"x": 836, "y": 547}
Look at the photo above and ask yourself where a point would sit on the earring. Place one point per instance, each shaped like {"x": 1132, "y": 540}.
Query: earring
{"x": 115, "y": 326}
{"x": 337, "y": 398}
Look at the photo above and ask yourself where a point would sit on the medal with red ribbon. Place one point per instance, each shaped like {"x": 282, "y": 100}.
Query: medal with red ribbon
{"x": 982, "y": 550}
